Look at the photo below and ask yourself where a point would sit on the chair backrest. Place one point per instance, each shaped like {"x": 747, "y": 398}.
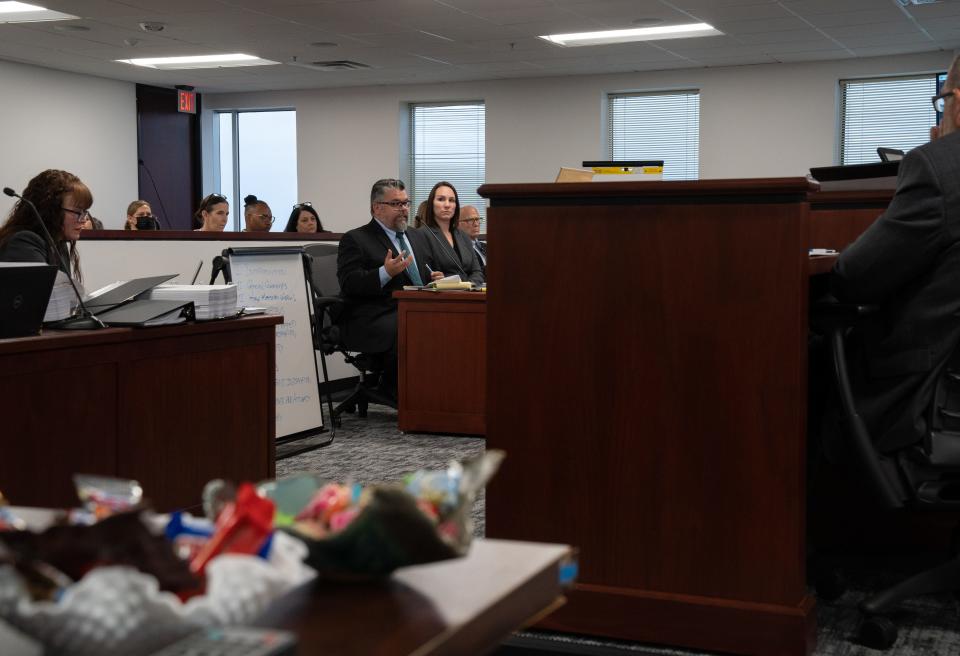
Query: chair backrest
{"x": 324, "y": 271}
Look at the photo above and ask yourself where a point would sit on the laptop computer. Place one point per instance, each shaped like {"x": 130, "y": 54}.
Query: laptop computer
{"x": 24, "y": 293}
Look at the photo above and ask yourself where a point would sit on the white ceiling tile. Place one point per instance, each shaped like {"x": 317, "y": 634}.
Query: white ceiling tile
{"x": 479, "y": 39}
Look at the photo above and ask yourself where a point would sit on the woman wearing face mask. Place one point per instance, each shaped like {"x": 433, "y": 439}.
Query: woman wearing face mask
{"x": 212, "y": 214}
{"x": 451, "y": 251}
{"x": 62, "y": 201}
{"x": 137, "y": 210}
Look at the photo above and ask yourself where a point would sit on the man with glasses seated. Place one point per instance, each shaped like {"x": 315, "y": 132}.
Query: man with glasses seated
{"x": 908, "y": 263}
{"x": 256, "y": 215}
{"x": 374, "y": 261}
{"x": 470, "y": 221}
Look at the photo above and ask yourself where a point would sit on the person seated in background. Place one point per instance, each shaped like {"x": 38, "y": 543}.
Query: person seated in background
{"x": 470, "y": 222}
{"x": 908, "y": 263}
{"x": 256, "y": 215}
{"x": 421, "y": 213}
{"x": 374, "y": 261}
{"x": 450, "y": 248}
{"x": 212, "y": 214}
{"x": 62, "y": 201}
{"x": 304, "y": 218}
{"x": 139, "y": 214}
{"x": 92, "y": 223}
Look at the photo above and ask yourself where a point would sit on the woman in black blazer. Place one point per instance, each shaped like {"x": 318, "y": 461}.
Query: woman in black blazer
{"x": 62, "y": 201}
{"x": 451, "y": 251}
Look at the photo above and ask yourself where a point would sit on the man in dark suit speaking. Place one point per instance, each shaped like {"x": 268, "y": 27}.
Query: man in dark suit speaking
{"x": 374, "y": 261}
{"x": 908, "y": 263}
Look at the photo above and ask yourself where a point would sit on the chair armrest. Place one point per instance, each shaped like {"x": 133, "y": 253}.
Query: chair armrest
{"x": 828, "y": 314}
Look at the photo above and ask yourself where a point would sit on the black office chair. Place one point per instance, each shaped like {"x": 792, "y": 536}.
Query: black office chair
{"x": 328, "y": 305}
{"x": 923, "y": 476}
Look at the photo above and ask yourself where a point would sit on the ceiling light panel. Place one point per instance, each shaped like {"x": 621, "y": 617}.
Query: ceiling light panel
{"x": 21, "y": 12}
{"x": 199, "y": 61}
{"x": 636, "y": 34}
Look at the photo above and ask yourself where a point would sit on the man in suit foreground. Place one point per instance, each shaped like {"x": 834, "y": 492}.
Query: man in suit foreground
{"x": 374, "y": 261}
{"x": 470, "y": 220}
{"x": 908, "y": 263}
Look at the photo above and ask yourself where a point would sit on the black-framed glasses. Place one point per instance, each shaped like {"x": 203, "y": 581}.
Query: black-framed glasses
{"x": 475, "y": 219}
{"x": 395, "y": 204}
{"x": 82, "y": 215}
{"x": 939, "y": 102}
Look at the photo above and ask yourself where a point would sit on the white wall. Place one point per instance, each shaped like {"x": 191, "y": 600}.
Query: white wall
{"x": 756, "y": 121}
{"x": 85, "y": 125}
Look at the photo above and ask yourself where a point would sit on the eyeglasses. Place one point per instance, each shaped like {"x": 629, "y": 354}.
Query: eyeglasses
{"x": 395, "y": 204}
{"x": 305, "y": 203}
{"x": 940, "y": 101}
{"x": 81, "y": 215}
{"x": 265, "y": 217}
{"x": 473, "y": 220}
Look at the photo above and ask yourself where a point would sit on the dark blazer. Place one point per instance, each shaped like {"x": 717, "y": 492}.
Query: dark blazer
{"x": 908, "y": 263}
{"x": 28, "y": 246}
{"x": 481, "y": 246}
{"x": 368, "y": 322}
{"x": 444, "y": 258}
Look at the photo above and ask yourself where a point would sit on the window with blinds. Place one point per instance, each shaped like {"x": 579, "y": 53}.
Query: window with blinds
{"x": 660, "y": 125}
{"x": 893, "y": 112}
{"x": 447, "y": 142}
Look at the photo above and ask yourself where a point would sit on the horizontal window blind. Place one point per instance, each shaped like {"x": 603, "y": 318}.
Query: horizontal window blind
{"x": 889, "y": 112}
{"x": 448, "y": 142}
{"x": 661, "y": 125}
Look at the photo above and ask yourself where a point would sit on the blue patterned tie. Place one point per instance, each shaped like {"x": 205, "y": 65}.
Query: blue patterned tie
{"x": 412, "y": 269}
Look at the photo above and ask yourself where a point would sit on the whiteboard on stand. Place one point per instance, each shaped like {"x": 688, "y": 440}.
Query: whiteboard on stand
{"x": 275, "y": 278}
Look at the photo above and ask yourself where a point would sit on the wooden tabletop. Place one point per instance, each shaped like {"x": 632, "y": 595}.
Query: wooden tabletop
{"x": 464, "y": 606}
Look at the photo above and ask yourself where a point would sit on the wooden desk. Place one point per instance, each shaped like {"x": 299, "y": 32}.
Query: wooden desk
{"x": 442, "y": 351}
{"x": 655, "y": 414}
{"x": 457, "y": 607}
{"x": 170, "y": 406}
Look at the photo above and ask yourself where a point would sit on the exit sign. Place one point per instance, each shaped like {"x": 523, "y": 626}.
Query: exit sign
{"x": 187, "y": 101}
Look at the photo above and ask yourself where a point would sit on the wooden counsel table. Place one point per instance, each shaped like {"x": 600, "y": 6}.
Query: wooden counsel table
{"x": 456, "y": 607}
{"x": 442, "y": 351}
{"x": 171, "y": 407}
{"x": 655, "y": 414}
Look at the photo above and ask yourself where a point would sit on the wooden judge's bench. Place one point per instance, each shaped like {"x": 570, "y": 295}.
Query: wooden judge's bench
{"x": 647, "y": 375}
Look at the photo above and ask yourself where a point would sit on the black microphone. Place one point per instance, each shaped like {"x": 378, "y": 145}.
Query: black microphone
{"x": 85, "y": 319}
{"x": 157, "y": 193}
{"x": 219, "y": 264}
{"x": 449, "y": 256}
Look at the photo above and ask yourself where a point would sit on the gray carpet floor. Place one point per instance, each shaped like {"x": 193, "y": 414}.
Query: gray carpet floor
{"x": 373, "y": 450}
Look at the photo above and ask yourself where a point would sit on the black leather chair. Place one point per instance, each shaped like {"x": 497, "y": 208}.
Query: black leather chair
{"x": 923, "y": 476}
{"x": 328, "y": 305}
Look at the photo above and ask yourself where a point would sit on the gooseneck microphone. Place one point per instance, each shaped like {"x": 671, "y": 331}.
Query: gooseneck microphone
{"x": 155, "y": 191}
{"x": 447, "y": 248}
{"x": 84, "y": 319}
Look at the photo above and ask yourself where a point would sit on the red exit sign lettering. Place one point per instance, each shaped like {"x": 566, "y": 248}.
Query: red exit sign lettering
{"x": 187, "y": 101}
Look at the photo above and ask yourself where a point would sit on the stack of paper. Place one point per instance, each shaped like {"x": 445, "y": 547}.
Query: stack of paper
{"x": 62, "y": 299}
{"x": 209, "y": 301}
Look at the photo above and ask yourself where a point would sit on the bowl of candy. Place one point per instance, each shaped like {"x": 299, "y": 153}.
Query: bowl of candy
{"x": 112, "y": 577}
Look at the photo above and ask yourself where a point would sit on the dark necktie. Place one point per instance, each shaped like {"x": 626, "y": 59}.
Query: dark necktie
{"x": 482, "y": 250}
{"x": 412, "y": 269}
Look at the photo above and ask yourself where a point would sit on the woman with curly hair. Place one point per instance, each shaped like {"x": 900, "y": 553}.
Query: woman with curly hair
{"x": 62, "y": 201}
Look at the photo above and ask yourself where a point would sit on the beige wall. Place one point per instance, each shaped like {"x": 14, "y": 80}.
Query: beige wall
{"x": 85, "y": 125}
{"x": 756, "y": 121}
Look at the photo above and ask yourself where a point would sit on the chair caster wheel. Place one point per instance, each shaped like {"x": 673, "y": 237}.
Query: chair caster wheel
{"x": 878, "y": 633}
{"x": 362, "y": 410}
{"x": 829, "y": 585}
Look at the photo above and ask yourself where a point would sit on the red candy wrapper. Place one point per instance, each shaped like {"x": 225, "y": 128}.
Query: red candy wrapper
{"x": 242, "y": 527}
